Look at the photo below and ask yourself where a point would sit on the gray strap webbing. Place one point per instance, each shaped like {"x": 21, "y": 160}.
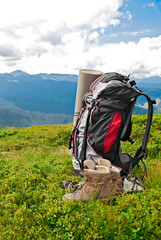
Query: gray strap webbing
{"x": 142, "y": 149}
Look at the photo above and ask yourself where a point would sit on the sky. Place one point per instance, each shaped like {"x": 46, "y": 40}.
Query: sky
{"x": 64, "y": 36}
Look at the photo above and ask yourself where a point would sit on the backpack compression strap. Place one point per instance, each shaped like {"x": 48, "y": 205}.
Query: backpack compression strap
{"x": 142, "y": 148}
{"x": 84, "y": 145}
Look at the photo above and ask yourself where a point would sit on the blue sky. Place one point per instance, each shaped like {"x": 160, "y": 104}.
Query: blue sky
{"x": 64, "y": 36}
{"x": 139, "y": 19}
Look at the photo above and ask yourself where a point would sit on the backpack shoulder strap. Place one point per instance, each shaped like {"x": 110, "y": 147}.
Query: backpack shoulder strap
{"x": 142, "y": 148}
{"x": 149, "y": 120}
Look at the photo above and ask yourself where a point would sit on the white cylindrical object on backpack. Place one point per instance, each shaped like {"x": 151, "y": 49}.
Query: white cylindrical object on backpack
{"x": 86, "y": 77}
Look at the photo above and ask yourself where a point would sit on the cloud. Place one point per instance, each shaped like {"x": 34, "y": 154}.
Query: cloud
{"x": 145, "y": 105}
{"x": 114, "y": 34}
{"x": 36, "y": 51}
{"x": 137, "y": 33}
{"x": 40, "y": 29}
{"x": 129, "y": 15}
{"x": 92, "y": 38}
{"x": 88, "y": 14}
{"x": 7, "y": 51}
{"x": 55, "y": 38}
{"x": 149, "y": 4}
{"x": 41, "y": 36}
{"x": 158, "y": 103}
{"x": 141, "y": 59}
{"x": 157, "y": 106}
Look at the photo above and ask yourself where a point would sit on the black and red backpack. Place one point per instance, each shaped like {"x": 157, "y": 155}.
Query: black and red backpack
{"x": 105, "y": 120}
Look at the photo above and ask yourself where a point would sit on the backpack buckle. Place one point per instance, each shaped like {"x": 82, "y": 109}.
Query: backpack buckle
{"x": 132, "y": 83}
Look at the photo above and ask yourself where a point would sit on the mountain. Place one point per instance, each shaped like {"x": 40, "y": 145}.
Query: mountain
{"x": 12, "y": 117}
{"x": 18, "y": 74}
{"x": 54, "y": 94}
{"x": 45, "y": 93}
{"x": 152, "y": 82}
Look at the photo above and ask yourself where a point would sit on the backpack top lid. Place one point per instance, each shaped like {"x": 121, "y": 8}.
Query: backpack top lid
{"x": 114, "y": 85}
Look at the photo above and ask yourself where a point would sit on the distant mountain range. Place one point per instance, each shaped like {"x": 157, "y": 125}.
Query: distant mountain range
{"x": 46, "y": 94}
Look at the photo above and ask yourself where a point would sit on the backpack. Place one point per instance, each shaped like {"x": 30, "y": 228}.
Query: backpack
{"x": 105, "y": 120}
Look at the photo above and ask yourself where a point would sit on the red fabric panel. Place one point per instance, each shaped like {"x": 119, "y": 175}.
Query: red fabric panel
{"x": 112, "y": 131}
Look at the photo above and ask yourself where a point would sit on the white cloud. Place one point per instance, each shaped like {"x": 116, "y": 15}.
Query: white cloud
{"x": 42, "y": 30}
{"x": 93, "y": 38}
{"x": 44, "y": 36}
{"x": 157, "y": 106}
{"x": 71, "y": 12}
{"x": 141, "y": 59}
{"x": 145, "y": 105}
{"x": 129, "y": 15}
{"x": 114, "y": 34}
{"x": 149, "y": 4}
{"x": 158, "y": 102}
{"x": 137, "y": 33}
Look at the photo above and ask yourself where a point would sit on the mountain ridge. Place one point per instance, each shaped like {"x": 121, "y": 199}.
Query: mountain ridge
{"x": 55, "y": 93}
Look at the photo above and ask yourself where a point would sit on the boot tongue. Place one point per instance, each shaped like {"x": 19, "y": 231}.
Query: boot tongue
{"x": 104, "y": 162}
{"x": 115, "y": 172}
{"x": 89, "y": 164}
{"x": 103, "y": 169}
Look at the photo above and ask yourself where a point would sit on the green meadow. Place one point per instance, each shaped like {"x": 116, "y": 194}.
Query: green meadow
{"x": 35, "y": 161}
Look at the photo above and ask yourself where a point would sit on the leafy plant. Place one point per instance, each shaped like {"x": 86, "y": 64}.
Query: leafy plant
{"x": 33, "y": 163}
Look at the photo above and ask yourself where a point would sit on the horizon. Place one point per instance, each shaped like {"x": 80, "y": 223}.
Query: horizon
{"x": 56, "y": 73}
{"x": 19, "y": 70}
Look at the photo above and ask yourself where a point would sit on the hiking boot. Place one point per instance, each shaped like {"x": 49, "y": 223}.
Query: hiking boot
{"x": 79, "y": 173}
{"x": 132, "y": 184}
{"x": 97, "y": 185}
{"x": 115, "y": 174}
{"x": 117, "y": 180}
{"x": 89, "y": 164}
{"x": 104, "y": 162}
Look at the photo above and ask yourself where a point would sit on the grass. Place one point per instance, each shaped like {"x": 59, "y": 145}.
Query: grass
{"x": 33, "y": 163}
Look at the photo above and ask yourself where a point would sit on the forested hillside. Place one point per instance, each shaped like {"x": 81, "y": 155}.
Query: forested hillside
{"x": 14, "y": 117}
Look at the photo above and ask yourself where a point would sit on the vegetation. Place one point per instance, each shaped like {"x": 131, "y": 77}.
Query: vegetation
{"x": 14, "y": 117}
{"x": 33, "y": 163}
